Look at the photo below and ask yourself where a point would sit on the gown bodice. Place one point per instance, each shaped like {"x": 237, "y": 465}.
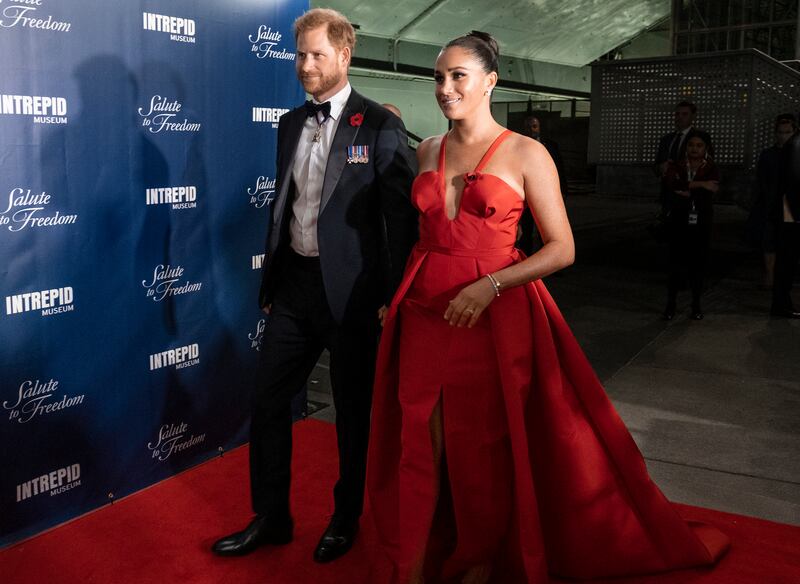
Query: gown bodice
{"x": 488, "y": 212}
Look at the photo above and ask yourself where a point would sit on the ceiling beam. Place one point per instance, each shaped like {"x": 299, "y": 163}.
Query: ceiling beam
{"x": 418, "y": 18}
{"x": 427, "y": 73}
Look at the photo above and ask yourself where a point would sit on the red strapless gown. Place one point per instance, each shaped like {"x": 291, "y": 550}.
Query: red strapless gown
{"x": 540, "y": 475}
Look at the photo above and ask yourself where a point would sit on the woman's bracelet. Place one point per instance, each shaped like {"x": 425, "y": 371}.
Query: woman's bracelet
{"x": 495, "y": 284}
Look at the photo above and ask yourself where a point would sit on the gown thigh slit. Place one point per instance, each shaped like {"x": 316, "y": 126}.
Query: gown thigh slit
{"x": 539, "y": 476}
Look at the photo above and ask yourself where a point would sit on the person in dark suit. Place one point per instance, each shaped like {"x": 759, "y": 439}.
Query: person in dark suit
{"x": 787, "y": 213}
{"x": 528, "y": 240}
{"x": 766, "y": 214}
{"x": 692, "y": 184}
{"x": 342, "y": 228}
{"x": 672, "y": 149}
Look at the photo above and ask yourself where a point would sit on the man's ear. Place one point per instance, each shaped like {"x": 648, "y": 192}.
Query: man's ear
{"x": 347, "y": 54}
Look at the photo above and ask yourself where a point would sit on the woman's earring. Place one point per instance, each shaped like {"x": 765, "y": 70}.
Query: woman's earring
{"x": 487, "y": 92}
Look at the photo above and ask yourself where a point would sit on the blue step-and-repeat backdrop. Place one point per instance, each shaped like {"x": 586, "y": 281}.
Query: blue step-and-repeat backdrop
{"x": 137, "y": 149}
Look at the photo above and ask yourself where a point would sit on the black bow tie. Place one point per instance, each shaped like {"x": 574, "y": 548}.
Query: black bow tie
{"x": 312, "y": 109}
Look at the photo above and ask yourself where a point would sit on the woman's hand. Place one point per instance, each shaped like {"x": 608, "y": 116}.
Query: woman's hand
{"x": 682, "y": 193}
{"x": 468, "y": 305}
{"x": 382, "y": 312}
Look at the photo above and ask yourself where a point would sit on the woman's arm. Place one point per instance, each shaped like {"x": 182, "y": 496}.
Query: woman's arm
{"x": 709, "y": 179}
{"x": 543, "y": 196}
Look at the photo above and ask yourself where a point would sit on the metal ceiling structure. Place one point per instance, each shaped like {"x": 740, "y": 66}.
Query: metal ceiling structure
{"x": 564, "y": 32}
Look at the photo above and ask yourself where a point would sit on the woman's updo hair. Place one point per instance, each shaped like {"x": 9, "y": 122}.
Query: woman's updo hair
{"x": 482, "y": 45}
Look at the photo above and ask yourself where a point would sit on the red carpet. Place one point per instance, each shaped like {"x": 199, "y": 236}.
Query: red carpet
{"x": 163, "y": 534}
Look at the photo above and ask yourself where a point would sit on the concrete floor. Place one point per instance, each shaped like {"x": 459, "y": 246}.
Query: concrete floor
{"x": 714, "y": 405}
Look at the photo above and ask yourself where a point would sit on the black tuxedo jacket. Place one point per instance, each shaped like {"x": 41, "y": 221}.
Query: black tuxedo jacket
{"x": 790, "y": 180}
{"x": 664, "y": 144}
{"x": 366, "y": 225}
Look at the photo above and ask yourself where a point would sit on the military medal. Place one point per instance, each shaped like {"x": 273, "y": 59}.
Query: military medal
{"x": 358, "y": 154}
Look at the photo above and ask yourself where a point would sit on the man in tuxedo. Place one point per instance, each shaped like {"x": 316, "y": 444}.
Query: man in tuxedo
{"x": 672, "y": 146}
{"x": 342, "y": 228}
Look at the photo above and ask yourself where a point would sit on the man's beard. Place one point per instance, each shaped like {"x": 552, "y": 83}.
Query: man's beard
{"x": 318, "y": 85}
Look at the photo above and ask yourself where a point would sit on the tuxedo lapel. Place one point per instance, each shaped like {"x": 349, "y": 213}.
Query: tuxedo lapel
{"x": 345, "y": 136}
{"x": 288, "y": 147}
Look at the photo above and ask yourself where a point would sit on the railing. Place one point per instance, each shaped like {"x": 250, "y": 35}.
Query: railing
{"x": 738, "y": 94}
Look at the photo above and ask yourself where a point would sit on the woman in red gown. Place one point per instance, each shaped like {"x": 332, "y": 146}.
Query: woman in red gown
{"x": 495, "y": 454}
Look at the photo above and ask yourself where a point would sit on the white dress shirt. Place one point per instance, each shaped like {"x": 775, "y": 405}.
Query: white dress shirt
{"x": 310, "y": 161}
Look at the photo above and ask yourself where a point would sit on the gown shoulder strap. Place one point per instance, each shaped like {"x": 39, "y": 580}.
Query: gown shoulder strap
{"x": 495, "y": 145}
{"x": 442, "y": 148}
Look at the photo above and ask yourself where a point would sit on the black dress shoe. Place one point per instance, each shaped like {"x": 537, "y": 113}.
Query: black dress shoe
{"x": 669, "y": 312}
{"x": 696, "y": 315}
{"x": 261, "y": 531}
{"x": 337, "y": 540}
{"x": 787, "y": 313}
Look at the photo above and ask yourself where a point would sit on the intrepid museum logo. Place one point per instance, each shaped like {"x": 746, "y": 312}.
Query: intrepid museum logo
{"x": 53, "y": 301}
{"x": 265, "y": 44}
{"x": 180, "y": 30}
{"x": 173, "y": 438}
{"x": 263, "y": 193}
{"x": 181, "y": 357}
{"x": 160, "y": 116}
{"x": 35, "y": 398}
{"x": 56, "y": 482}
{"x": 26, "y": 210}
{"x": 23, "y": 14}
{"x": 178, "y": 197}
{"x": 269, "y": 115}
{"x": 166, "y": 283}
{"x": 257, "y": 336}
{"x": 43, "y": 109}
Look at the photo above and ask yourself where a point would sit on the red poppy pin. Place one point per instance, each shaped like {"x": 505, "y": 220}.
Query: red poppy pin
{"x": 356, "y": 120}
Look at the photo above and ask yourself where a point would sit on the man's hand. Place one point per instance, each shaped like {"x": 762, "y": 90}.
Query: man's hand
{"x": 382, "y": 312}
{"x": 267, "y": 308}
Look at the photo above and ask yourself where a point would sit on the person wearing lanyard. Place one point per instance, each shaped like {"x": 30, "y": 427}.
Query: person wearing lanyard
{"x": 693, "y": 184}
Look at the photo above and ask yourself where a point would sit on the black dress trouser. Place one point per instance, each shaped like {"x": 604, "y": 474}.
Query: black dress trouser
{"x": 300, "y": 326}
{"x": 787, "y": 255}
{"x": 688, "y": 256}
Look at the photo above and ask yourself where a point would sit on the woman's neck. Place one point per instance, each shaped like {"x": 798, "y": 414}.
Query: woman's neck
{"x": 477, "y": 128}
{"x": 695, "y": 162}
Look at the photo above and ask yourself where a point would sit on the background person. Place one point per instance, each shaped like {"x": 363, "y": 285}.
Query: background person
{"x": 672, "y": 150}
{"x": 692, "y": 184}
{"x": 788, "y": 241}
{"x": 766, "y": 213}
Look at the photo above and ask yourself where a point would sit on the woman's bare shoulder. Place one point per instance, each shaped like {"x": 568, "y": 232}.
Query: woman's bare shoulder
{"x": 428, "y": 151}
{"x": 525, "y": 146}
{"x": 528, "y": 155}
